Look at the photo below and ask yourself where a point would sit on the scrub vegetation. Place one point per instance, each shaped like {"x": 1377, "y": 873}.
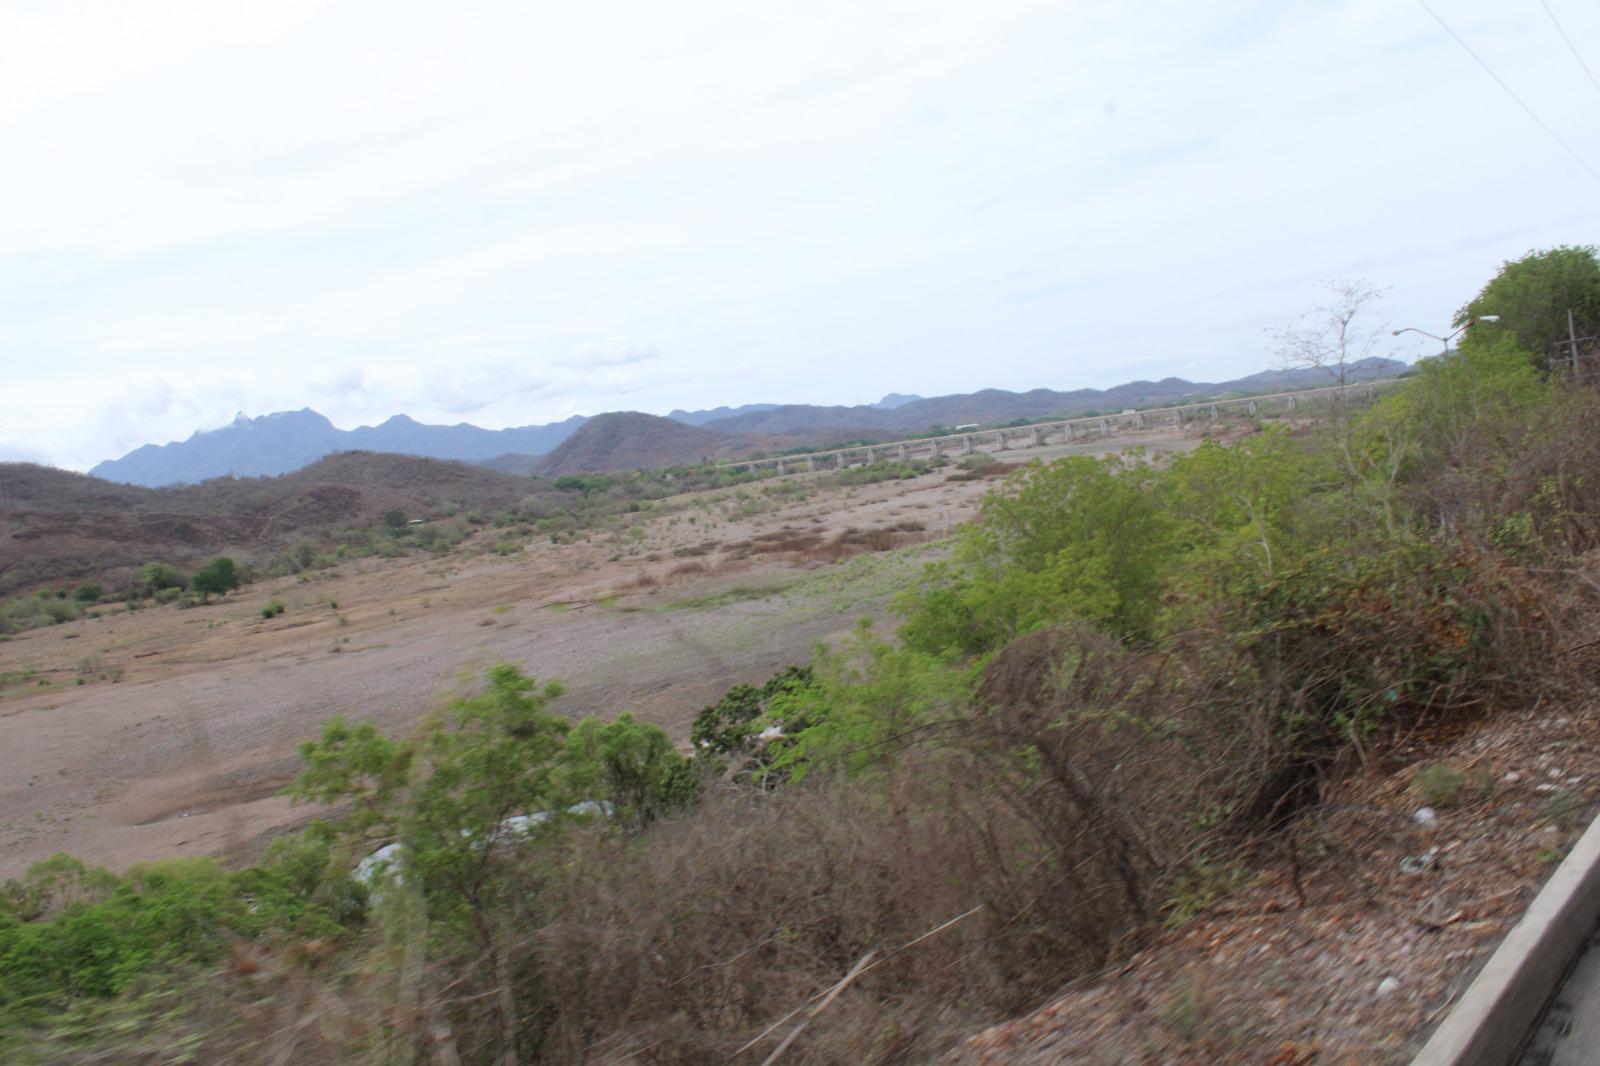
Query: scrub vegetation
{"x": 1111, "y": 705}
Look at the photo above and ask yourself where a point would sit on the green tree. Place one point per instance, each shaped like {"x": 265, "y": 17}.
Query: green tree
{"x": 630, "y": 765}
{"x": 394, "y": 520}
{"x": 158, "y": 576}
{"x": 219, "y": 576}
{"x": 865, "y": 701}
{"x": 446, "y": 792}
{"x": 1243, "y": 512}
{"x": 1532, "y": 296}
{"x": 1079, "y": 537}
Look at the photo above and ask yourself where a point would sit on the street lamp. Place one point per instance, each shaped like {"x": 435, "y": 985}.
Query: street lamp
{"x": 1447, "y": 339}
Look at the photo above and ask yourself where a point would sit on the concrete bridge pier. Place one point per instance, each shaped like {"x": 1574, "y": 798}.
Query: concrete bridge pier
{"x": 1105, "y": 425}
{"x": 1038, "y": 437}
{"x": 811, "y": 463}
{"x": 872, "y": 456}
{"x": 966, "y": 445}
{"x": 1291, "y": 403}
{"x": 783, "y": 466}
{"x": 1252, "y": 408}
{"x": 1213, "y": 412}
{"x": 902, "y": 454}
{"x": 935, "y": 453}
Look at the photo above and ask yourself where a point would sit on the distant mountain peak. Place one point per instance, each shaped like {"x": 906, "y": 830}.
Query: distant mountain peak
{"x": 285, "y": 441}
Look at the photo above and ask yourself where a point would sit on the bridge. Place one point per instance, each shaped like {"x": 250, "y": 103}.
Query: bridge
{"x": 1064, "y": 431}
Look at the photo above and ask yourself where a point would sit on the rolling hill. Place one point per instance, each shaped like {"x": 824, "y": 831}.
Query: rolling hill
{"x": 631, "y": 440}
{"x": 55, "y": 524}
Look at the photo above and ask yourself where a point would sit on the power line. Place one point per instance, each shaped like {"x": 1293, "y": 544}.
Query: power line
{"x": 1572, "y": 47}
{"x": 1511, "y": 93}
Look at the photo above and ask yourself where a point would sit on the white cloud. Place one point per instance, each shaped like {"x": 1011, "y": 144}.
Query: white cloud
{"x": 613, "y": 351}
{"x": 467, "y": 390}
{"x": 341, "y": 384}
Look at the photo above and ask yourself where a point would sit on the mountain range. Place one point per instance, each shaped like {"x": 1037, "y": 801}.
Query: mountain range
{"x": 289, "y": 440}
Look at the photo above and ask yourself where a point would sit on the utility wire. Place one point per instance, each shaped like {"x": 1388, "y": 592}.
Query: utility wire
{"x": 1511, "y": 93}
{"x": 1572, "y": 47}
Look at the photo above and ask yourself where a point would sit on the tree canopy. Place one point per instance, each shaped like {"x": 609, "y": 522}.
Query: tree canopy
{"x": 1532, "y": 296}
{"x": 218, "y": 576}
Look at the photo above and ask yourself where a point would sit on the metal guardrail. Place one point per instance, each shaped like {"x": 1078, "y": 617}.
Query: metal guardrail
{"x": 1067, "y": 430}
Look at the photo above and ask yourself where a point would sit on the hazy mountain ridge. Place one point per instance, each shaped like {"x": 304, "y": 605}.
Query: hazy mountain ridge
{"x": 999, "y": 405}
{"x": 290, "y": 440}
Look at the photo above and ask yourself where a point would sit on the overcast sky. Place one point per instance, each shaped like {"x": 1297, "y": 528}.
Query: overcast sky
{"x": 507, "y": 213}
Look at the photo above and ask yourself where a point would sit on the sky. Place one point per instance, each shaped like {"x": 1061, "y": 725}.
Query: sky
{"x": 509, "y": 213}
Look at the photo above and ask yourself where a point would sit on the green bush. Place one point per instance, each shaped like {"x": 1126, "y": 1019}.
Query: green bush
{"x": 155, "y": 577}
{"x": 217, "y": 577}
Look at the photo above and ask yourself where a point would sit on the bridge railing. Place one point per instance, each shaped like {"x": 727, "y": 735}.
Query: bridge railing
{"x": 1066, "y": 428}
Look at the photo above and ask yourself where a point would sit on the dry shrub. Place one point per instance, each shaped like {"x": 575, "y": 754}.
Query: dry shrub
{"x": 1114, "y": 750}
{"x": 1522, "y": 480}
{"x": 1210, "y": 744}
{"x": 856, "y": 541}
{"x": 692, "y": 567}
{"x": 681, "y": 947}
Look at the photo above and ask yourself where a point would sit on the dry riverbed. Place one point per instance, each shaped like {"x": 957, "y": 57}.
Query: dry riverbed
{"x": 170, "y": 732}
